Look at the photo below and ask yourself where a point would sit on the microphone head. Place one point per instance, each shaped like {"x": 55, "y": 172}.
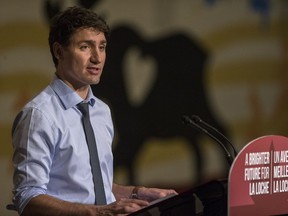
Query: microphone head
{"x": 196, "y": 119}
{"x": 186, "y": 119}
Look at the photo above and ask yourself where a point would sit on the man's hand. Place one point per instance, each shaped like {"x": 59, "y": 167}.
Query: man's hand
{"x": 151, "y": 194}
{"x": 121, "y": 207}
{"x": 43, "y": 205}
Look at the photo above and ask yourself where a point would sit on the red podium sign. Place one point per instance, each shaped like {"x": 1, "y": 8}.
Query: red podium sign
{"x": 258, "y": 179}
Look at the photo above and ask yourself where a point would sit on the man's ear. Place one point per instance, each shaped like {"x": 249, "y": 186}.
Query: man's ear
{"x": 57, "y": 50}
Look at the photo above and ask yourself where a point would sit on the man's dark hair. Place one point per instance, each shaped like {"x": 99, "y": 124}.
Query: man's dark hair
{"x": 66, "y": 23}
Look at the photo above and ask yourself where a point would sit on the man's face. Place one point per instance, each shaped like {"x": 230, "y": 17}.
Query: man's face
{"x": 81, "y": 63}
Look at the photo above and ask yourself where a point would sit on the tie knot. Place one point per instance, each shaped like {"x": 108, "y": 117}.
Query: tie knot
{"x": 83, "y": 107}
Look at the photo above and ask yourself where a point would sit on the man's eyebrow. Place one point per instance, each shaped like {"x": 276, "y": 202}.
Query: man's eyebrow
{"x": 93, "y": 41}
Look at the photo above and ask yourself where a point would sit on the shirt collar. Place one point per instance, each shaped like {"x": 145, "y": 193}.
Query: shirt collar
{"x": 90, "y": 98}
{"x": 68, "y": 96}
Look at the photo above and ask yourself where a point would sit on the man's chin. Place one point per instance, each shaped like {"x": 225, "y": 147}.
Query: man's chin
{"x": 95, "y": 82}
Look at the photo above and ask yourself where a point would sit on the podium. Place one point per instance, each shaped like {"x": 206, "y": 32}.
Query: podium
{"x": 257, "y": 185}
{"x": 213, "y": 196}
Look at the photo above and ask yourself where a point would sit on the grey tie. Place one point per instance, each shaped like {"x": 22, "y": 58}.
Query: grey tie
{"x": 94, "y": 159}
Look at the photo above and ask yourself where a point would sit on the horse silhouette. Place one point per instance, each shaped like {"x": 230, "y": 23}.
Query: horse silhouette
{"x": 179, "y": 89}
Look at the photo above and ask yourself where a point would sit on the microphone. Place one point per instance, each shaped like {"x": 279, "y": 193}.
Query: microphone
{"x": 188, "y": 121}
{"x": 198, "y": 120}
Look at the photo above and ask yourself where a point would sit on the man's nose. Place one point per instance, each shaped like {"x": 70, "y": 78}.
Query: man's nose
{"x": 95, "y": 57}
